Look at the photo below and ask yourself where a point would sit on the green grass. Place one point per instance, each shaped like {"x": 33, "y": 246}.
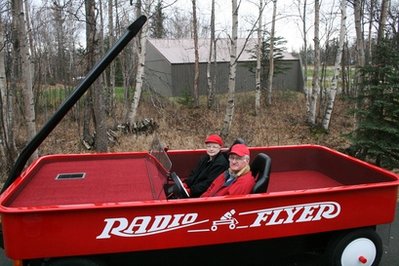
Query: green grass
{"x": 329, "y": 72}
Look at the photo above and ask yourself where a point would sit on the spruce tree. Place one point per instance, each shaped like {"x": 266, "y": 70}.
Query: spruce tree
{"x": 376, "y": 138}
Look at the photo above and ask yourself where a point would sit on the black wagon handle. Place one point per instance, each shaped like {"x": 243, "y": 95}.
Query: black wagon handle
{"x": 77, "y": 93}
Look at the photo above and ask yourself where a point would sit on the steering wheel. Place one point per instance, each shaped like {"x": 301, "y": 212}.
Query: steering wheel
{"x": 181, "y": 190}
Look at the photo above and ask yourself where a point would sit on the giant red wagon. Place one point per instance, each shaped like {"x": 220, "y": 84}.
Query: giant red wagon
{"x": 116, "y": 203}
{"x": 113, "y": 208}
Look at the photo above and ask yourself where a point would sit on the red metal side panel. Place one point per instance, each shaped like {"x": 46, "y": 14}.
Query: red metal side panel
{"x": 181, "y": 223}
{"x": 353, "y": 194}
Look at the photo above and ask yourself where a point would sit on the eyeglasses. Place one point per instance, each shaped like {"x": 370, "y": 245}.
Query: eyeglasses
{"x": 236, "y": 158}
{"x": 212, "y": 146}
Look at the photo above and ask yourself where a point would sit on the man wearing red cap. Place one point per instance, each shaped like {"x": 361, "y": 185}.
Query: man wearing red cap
{"x": 209, "y": 167}
{"x": 238, "y": 179}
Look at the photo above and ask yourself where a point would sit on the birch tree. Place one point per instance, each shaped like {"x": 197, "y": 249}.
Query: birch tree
{"x": 88, "y": 140}
{"x": 3, "y": 84}
{"x": 371, "y": 20}
{"x": 59, "y": 19}
{"x": 129, "y": 63}
{"x": 360, "y": 53}
{"x": 358, "y": 15}
{"x": 271, "y": 54}
{"x": 316, "y": 71}
{"x": 304, "y": 32}
{"x": 95, "y": 107}
{"x": 211, "y": 75}
{"x": 196, "y": 55}
{"x": 383, "y": 20}
{"x": 228, "y": 118}
{"x": 337, "y": 68}
{"x": 111, "y": 40}
{"x": 7, "y": 142}
{"x": 101, "y": 139}
{"x": 140, "y": 66}
{"x": 258, "y": 82}
{"x": 21, "y": 47}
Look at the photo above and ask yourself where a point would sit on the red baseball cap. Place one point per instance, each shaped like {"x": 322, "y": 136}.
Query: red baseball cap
{"x": 240, "y": 150}
{"x": 214, "y": 138}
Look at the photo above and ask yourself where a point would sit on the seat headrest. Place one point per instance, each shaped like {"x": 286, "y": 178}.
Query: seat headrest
{"x": 260, "y": 168}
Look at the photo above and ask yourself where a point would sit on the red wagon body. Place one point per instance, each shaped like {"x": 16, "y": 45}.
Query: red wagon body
{"x": 74, "y": 209}
{"x": 71, "y": 205}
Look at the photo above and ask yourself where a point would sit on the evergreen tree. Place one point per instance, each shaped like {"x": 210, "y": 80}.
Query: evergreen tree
{"x": 278, "y": 54}
{"x": 376, "y": 138}
{"x": 157, "y": 29}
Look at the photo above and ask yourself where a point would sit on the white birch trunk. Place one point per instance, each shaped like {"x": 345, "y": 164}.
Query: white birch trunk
{"x": 27, "y": 91}
{"x": 209, "y": 64}
{"x": 196, "y": 54}
{"x": 359, "y": 33}
{"x": 3, "y": 98}
{"x": 215, "y": 101}
{"x": 370, "y": 30}
{"x": 337, "y": 68}
{"x": 29, "y": 36}
{"x": 228, "y": 118}
{"x": 271, "y": 54}
{"x": 111, "y": 41}
{"x": 361, "y": 58}
{"x": 383, "y": 20}
{"x": 315, "y": 81}
{"x": 139, "y": 76}
{"x": 258, "y": 61}
{"x": 305, "y": 44}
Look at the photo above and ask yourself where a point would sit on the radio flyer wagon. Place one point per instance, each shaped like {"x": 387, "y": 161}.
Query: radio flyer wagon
{"x": 100, "y": 209}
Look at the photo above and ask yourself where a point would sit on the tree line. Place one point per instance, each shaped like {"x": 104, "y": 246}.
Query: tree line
{"x": 46, "y": 44}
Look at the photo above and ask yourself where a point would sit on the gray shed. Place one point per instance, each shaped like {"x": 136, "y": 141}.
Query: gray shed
{"x": 169, "y": 67}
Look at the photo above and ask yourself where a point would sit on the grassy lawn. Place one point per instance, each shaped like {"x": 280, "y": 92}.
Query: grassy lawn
{"x": 329, "y": 73}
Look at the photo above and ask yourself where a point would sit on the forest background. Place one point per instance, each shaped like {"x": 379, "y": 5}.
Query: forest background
{"x": 350, "y": 101}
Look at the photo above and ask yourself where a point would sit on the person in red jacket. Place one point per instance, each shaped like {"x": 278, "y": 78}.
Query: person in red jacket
{"x": 238, "y": 179}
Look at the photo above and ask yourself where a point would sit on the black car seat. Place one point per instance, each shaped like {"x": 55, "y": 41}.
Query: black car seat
{"x": 260, "y": 168}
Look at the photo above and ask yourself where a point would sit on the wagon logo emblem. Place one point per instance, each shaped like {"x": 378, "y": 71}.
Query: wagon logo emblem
{"x": 226, "y": 219}
{"x": 141, "y": 226}
{"x": 147, "y": 225}
{"x": 300, "y": 213}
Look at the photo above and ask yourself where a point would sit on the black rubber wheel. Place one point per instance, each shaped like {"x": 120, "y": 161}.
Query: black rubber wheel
{"x": 357, "y": 247}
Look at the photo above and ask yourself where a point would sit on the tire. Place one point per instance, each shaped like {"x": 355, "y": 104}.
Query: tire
{"x": 78, "y": 261}
{"x": 357, "y": 247}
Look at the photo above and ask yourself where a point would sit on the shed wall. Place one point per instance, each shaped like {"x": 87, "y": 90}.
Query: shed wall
{"x": 158, "y": 72}
{"x": 177, "y": 79}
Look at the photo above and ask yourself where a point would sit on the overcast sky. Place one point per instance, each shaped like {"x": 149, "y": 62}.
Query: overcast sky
{"x": 288, "y": 24}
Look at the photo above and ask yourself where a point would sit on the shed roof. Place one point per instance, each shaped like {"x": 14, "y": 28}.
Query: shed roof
{"x": 179, "y": 51}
